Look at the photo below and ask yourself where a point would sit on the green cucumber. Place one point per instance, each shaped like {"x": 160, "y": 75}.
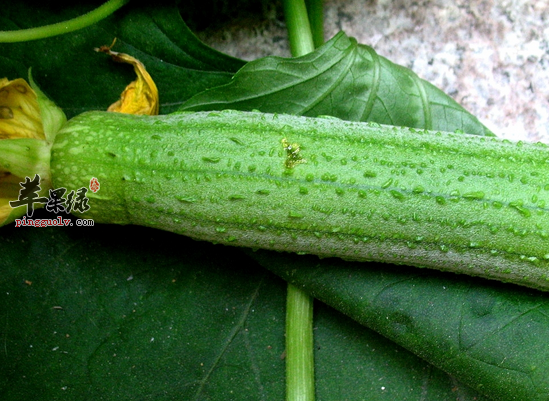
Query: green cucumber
{"x": 358, "y": 191}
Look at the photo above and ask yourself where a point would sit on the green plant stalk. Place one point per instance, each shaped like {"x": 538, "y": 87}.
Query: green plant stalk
{"x": 315, "y": 12}
{"x": 358, "y": 191}
{"x": 300, "y": 376}
{"x": 299, "y": 29}
{"x": 83, "y": 21}
{"x": 300, "y": 384}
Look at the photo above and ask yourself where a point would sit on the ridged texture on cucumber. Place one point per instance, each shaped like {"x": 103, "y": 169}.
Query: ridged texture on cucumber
{"x": 358, "y": 191}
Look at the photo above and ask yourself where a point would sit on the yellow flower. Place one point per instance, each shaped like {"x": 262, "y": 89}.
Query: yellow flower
{"x": 19, "y": 111}
{"x": 28, "y": 123}
{"x": 141, "y": 95}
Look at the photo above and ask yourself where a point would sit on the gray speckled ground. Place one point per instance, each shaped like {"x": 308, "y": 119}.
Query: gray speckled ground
{"x": 492, "y": 56}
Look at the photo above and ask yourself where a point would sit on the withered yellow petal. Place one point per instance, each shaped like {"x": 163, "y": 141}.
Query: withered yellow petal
{"x": 19, "y": 111}
{"x": 141, "y": 95}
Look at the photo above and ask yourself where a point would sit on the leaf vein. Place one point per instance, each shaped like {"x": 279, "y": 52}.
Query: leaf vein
{"x": 232, "y": 334}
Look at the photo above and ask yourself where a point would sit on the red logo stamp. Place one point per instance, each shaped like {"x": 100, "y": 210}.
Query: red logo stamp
{"x": 94, "y": 185}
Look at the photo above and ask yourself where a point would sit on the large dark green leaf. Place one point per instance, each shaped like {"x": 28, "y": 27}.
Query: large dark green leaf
{"x": 79, "y": 79}
{"x": 342, "y": 79}
{"x": 490, "y": 335}
{"x": 110, "y": 313}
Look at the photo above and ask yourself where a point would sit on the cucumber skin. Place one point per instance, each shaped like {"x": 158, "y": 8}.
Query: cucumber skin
{"x": 358, "y": 191}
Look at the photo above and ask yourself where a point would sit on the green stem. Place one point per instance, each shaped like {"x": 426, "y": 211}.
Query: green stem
{"x": 315, "y": 11}
{"x": 299, "y": 30}
{"x": 90, "y": 18}
{"x": 300, "y": 382}
{"x": 300, "y": 375}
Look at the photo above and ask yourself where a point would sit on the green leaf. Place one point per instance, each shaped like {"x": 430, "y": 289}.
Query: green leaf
{"x": 487, "y": 334}
{"x": 341, "y": 79}
{"x": 115, "y": 313}
{"x": 354, "y": 363}
{"x": 78, "y": 79}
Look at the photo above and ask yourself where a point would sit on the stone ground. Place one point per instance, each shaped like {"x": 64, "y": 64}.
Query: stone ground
{"x": 492, "y": 56}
